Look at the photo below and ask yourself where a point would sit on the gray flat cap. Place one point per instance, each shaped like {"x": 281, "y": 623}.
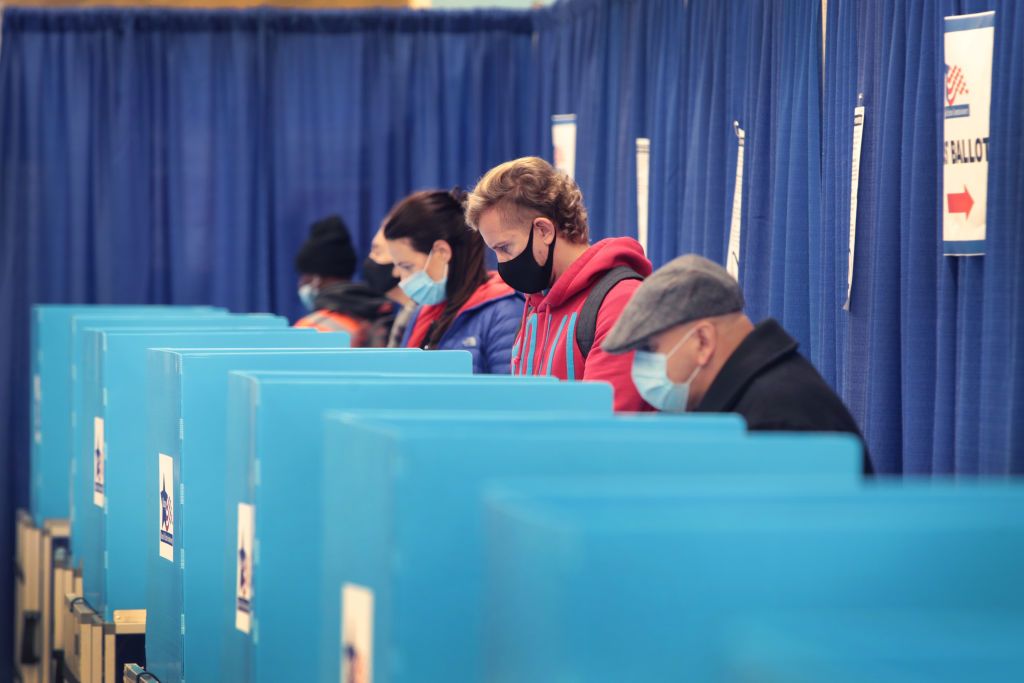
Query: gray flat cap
{"x": 687, "y": 288}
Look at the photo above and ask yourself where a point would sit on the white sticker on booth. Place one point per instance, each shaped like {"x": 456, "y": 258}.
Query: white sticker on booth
{"x": 166, "y": 512}
{"x": 356, "y": 634}
{"x": 244, "y": 566}
{"x": 99, "y": 463}
{"x": 563, "y": 139}
{"x": 643, "y": 175}
{"x": 37, "y": 408}
{"x": 967, "y": 95}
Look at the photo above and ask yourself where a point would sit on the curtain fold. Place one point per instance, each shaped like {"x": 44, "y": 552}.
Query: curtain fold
{"x": 151, "y": 156}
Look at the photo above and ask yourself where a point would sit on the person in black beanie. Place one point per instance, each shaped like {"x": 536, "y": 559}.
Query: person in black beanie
{"x": 326, "y": 263}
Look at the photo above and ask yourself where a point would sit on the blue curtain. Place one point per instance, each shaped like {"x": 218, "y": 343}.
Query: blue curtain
{"x": 925, "y": 357}
{"x": 999, "y": 343}
{"x": 756, "y": 63}
{"x": 603, "y": 60}
{"x": 179, "y": 157}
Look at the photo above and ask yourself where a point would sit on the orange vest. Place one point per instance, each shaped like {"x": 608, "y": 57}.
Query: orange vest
{"x": 329, "y": 321}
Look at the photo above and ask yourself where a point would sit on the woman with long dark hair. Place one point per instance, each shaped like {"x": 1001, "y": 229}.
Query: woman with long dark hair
{"x": 440, "y": 262}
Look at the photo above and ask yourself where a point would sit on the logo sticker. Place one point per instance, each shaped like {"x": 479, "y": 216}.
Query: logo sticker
{"x": 243, "y": 573}
{"x": 356, "y": 634}
{"x": 37, "y": 409}
{"x": 98, "y": 462}
{"x": 956, "y": 93}
{"x": 166, "y": 498}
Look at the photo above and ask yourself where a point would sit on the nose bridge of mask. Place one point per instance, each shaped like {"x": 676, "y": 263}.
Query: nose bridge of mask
{"x": 308, "y": 294}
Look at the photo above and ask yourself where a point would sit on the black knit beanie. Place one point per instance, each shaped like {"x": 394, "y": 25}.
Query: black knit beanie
{"x": 328, "y": 251}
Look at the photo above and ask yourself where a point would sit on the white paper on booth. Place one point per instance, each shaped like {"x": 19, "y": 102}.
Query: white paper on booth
{"x": 99, "y": 463}
{"x": 356, "y": 634}
{"x": 37, "y": 408}
{"x": 244, "y": 566}
{"x": 166, "y": 512}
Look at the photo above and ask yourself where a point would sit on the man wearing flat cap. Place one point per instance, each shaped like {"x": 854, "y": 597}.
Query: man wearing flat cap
{"x": 696, "y": 350}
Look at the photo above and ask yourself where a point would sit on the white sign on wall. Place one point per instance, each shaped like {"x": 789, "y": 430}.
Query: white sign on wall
{"x": 563, "y": 139}
{"x": 967, "y": 94}
{"x": 643, "y": 175}
{"x": 858, "y": 139}
{"x": 732, "y": 258}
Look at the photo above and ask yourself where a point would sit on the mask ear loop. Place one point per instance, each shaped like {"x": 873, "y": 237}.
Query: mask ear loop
{"x": 675, "y": 348}
{"x": 680, "y": 343}
{"x": 427, "y": 264}
{"x": 551, "y": 247}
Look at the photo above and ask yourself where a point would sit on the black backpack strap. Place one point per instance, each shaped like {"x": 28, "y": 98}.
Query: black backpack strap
{"x": 586, "y": 324}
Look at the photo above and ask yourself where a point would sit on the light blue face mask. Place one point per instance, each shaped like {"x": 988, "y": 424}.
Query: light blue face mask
{"x": 423, "y": 290}
{"x": 308, "y": 294}
{"x": 650, "y": 376}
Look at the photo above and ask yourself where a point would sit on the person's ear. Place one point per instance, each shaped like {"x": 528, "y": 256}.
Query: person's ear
{"x": 707, "y": 338}
{"x": 442, "y": 252}
{"x": 545, "y": 230}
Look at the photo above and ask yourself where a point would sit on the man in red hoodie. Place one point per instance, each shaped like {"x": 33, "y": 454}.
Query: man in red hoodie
{"x": 534, "y": 220}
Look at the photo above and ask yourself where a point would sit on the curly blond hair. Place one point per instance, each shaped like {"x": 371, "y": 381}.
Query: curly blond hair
{"x": 525, "y": 187}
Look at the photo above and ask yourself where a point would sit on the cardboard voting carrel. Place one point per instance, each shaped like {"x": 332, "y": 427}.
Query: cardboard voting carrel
{"x": 187, "y": 426}
{"x": 420, "y": 551}
{"x": 50, "y": 334}
{"x": 108, "y": 539}
{"x": 603, "y": 587}
{"x": 277, "y": 448}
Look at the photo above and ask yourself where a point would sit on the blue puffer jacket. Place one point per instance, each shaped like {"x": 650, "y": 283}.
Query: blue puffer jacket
{"x": 486, "y": 327}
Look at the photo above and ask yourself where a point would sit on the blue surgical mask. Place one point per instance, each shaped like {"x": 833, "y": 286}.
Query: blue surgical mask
{"x": 423, "y": 290}
{"x": 307, "y": 295}
{"x": 650, "y": 376}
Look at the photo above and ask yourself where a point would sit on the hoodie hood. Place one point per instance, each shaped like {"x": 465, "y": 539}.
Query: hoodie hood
{"x": 590, "y": 267}
{"x": 546, "y": 343}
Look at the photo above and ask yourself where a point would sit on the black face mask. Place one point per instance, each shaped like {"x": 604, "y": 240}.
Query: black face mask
{"x": 378, "y": 276}
{"x": 524, "y": 274}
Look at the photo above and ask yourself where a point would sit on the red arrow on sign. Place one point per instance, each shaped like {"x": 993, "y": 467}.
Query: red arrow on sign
{"x": 960, "y": 202}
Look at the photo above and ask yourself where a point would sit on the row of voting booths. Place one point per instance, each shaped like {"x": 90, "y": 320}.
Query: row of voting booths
{"x": 217, "y": 497}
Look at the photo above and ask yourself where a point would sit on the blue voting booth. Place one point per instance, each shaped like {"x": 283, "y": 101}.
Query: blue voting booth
{"x": 276, "y": 478}
{"x": 108, "y": 527}
{"x": 187, "y": 424}
{"x": 82, "y": 423}
{"x": 411, "y": 542}
{"x": 881, "y": 646}
{"x": 607, "y": 586}
{"x": 50, "y": 344}
{"x": 83, "y": 325}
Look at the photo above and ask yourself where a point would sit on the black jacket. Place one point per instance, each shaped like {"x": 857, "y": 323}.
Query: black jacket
{"x": 775, "y": 388}
{"x": 358, "y": 301}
